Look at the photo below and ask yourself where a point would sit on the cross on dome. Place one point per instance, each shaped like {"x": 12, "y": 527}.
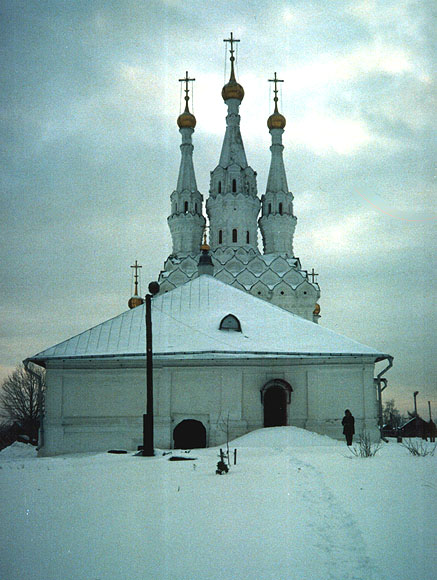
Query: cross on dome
{"x": 186, "y": 119}
{"x": 276, "y": 120}
{"x": 136, "y": 300}
{"x": 232, "y": 90}
{"x": 275, "y": 90}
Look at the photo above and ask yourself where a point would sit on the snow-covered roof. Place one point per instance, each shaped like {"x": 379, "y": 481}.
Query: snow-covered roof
{"x": 186, "y": 324}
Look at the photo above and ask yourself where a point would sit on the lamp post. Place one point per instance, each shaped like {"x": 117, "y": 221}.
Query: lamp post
{"x": 148, "y": 443}
{"x": 415, "y": 404}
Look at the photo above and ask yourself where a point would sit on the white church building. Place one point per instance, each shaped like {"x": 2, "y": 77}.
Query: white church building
{"x": 236, "y": 337}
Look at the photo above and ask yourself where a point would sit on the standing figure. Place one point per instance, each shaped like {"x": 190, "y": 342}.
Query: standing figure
{"x": 348, "y": 423}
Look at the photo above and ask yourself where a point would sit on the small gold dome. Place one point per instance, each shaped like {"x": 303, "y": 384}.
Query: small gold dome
{"x": 317, "y": 310}
{"x": 276, "y": 121}
{"x": 135, "y": 301}
{"x": 186, "y": 119}
{"x": 204, "y": 247}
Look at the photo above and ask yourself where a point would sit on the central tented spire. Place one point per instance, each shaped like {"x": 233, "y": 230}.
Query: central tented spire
{"x": 233, "y": 94}
{"x": 233, "y": 204}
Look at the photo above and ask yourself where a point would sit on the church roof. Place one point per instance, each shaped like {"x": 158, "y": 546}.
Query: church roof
{"x": 186, "y": 324}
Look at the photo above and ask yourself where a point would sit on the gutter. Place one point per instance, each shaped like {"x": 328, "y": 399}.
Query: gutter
{"x": 378, "y": 381}
{"x": 197, "y": 354}
{"x": 40, "y": 405}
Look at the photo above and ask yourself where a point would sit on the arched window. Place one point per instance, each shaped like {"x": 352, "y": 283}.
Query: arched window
{"x": 186, "y": 207}
{"x": 195, "y": 208}
{"x": 247, "y": 238}
{"x": 234, "y": 236}
{"x": 219, "y": 186}
{"x": 270, "y": 209}
{"x": 230, "y": 322}
{"x": 280, "y": 209}
{"x": 220, "y": 236}
{"x": 234, "y": 185}
{"x": 176, "y": 208}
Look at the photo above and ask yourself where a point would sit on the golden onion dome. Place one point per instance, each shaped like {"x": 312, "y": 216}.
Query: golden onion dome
{"x": 233, "y": 90}
{"x": 276, "y": 121}
{"x": 135, "y": 301}
{"x": 186, "y": 119}
{"x": 316, "y": 311}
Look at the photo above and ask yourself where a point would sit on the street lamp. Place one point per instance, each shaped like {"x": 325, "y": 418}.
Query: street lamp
{"x": 148, "y": 444}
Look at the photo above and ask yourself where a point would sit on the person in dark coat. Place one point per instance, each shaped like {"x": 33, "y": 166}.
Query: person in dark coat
{"x": 348, "y": 423}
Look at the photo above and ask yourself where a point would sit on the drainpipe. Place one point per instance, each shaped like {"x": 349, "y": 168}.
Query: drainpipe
{"x": 378, "y": 382}
{"x": 40, "y": 406}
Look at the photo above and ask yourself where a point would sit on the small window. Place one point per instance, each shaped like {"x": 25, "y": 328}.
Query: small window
{"x": 247, "y": 238}
{"x": 270, "y": 209}
{"x": 195, "y": 208}
{"x": 234, "y": 185}
{"x": 186, "y": 207}
{"x": 230, "y": 322}
{"x": 234, "y": 236}
{"x": 219, "y": 186}
{"x": 220, "y": 236}
{"x": 280, "y": 209}
{"x": 176, "y": 208}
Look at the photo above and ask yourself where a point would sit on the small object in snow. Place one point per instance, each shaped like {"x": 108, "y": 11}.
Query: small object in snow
{"x": 221, "y": 468}
{"x": 117, "y": 451}
{"x": 179, "y": 458}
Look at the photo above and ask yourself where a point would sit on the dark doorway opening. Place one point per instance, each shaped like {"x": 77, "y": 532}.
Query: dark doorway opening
{"x": 275, "y": 407}
{"x": 189, "y": 434}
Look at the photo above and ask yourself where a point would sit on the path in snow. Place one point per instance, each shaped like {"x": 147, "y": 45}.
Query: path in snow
{"x": 272, "y": 516}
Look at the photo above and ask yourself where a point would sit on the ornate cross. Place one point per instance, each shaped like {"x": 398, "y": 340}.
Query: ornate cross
{"x": 136, "y": 266}
{"x": 275, "y": 90}
{"x": 313, "y": 275}
{"x": 186, "y": 80}
{"x": 231, "y": 40}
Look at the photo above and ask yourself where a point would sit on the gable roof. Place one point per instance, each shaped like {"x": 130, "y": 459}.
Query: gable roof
{"x": 186, "y": 323}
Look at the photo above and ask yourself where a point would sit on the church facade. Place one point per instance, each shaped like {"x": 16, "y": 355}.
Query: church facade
{"x": 235, "y": 336}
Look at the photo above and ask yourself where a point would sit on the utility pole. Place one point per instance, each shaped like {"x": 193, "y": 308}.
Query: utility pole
{"x": 429, "y": 408}
{"x": 415, "y": 404}
{"x": 148, "y": 443}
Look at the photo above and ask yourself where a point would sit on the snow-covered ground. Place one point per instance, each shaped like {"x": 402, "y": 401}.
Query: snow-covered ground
{"x": 297, "y": 506}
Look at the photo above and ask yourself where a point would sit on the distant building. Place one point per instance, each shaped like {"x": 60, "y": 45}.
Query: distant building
{"x": 415, "y": 427}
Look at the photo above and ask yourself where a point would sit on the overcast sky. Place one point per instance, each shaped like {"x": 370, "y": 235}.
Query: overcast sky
{"x": 90, "y": 155}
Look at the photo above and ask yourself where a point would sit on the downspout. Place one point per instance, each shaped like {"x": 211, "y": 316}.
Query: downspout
{"x": 40, "y": 405}
{"x": 378, "y": 381}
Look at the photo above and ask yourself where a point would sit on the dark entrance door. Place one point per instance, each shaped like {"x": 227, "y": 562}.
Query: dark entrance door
{"x": 275, "y": 407}
{"x": 189, "y": 434}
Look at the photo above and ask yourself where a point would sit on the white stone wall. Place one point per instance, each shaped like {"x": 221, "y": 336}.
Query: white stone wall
{"x": 99, "y": 406}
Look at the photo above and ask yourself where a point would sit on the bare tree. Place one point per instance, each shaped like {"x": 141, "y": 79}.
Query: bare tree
{"x": 391, "y": 415}
{"x": 22, "y": 399}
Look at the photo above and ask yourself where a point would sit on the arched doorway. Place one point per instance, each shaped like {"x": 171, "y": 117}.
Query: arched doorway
{"x": 275, "y": 396}
{"x": 189, "y": 434}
